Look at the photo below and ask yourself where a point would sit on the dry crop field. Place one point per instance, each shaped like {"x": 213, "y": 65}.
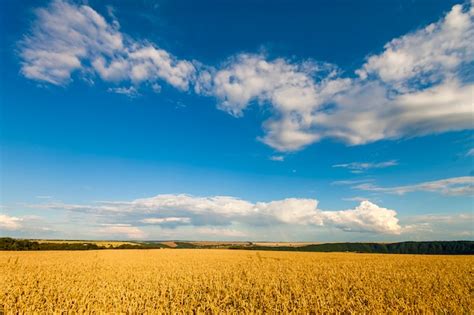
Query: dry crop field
{"x": 226, "y": 281}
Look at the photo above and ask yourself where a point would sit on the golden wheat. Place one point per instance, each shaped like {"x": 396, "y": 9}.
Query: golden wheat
{"x": 225, "y": 281}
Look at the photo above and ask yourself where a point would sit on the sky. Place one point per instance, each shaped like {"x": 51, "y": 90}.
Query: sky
{"x": 317, "y": 121}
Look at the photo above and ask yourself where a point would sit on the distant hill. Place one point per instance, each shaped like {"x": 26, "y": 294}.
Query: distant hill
{"x": 435, "y": 247}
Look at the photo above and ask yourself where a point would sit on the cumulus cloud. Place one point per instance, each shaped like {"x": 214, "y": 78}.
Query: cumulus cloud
{"x": 67, "y": 38}
{"x": 63, "y": 36}
{"x": 9, "y": 222}
{"x": 365, "y": 217}
{"x": 193, "y": 217}
{"x": 428, "y": 55}
{"x": 414, "y": 87}
{"x": 248, "y": 78}
{"x": 290, "y": 89}
{"x": 174, "y": 210}
{"x": 360, "y": 167}
{"x": 455, "y": 186}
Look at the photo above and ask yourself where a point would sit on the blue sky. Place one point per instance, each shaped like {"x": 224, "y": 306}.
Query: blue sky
{"x": 250, "y": 120}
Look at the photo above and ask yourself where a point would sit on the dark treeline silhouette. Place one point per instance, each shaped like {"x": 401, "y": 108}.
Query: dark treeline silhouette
{"x": 435, "y": 247}
{"x": 7, "y": 243}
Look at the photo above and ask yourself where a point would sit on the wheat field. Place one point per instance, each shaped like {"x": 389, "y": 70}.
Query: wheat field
{"x": 226, "y": 281}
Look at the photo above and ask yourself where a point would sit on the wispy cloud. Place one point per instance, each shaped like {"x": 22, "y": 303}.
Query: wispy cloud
{"x": 413, "y": 87}
{"x": 167, "y": 220}
{"x": 352, "y": 181}
{"x": 452, "y": 225}
{"x": 277, "y": 158}
{"x": 443, "y": 218}
{"x": 470, "y": 152}
{"x": 360, "y": 167}
{"x": 455, "y": 186}
{"x": 131, "y": 91}
{"x": 356, "y": 198}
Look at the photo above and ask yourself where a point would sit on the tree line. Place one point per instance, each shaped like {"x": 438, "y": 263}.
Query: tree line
{"x": 432, "y": 247}
{"x": 7, "y": 243}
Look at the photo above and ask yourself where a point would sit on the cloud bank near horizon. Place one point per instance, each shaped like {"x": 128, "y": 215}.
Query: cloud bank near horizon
{"x": 172, "y": 210}
{"x": 222, "y": 217}
{"x": 414, "y": 87}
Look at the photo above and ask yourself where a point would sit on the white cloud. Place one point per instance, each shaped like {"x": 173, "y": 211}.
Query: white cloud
{"x": 428, "y": 55}
{"x": 221, "y": 205}
{"x": 443, "y": 218}
{"x": 223, "y": 210}
{"x": 367, "y": 217}
{"x": 248, "y": 78}
{"x": 130, "y": 91}
{"x": 359, "y": 167}
{"x": 417, "y": 228}
{"x": 67, "y": 38}
{"x": 455, "y": 186}
{"x": 149, "y": 62}
{"x": 121, "y": 230}
{"x": 470, "y": 152}
{"x": 448, "y": 225}
{"x": 180, "y": 216}
{"x": 290, "y": 88}
{"x": 414, "y": 87}
{"x": 352, "y": 181}
{"x": 290, "y": 211}
{"x": 64, "y": 35}
{"x": 31, "y": 224}
{"x": 356, "y": 198}
{"x": 166, "y": 220}
{"x": 277, "y": 158}
{"x": 9, "y": 222}
{"x": 367, "y": 113}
